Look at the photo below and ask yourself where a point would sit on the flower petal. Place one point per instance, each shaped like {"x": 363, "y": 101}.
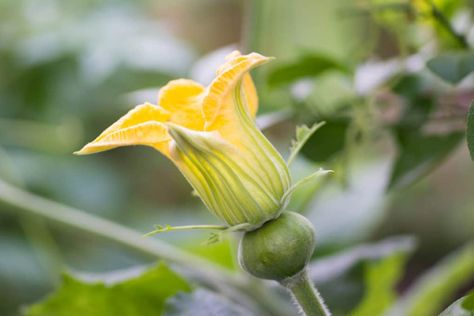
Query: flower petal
{"x": 248, "y": 86}
{"x": 144, "y": 120}
{"x": 182, "y": 98}
{"x": 227, "y": 111}
{"x": 152, "y": 134}
{"x": 216, "y": 103}
{"x": 140, "y": 114}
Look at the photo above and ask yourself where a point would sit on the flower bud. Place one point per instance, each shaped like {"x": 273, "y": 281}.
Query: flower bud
{"x": 279, "y": 249}
{"x": 225, "y": 178}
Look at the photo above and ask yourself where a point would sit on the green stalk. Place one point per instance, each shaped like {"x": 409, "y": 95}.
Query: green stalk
{"x": 67, "y": 216}
{"x": 306, "y": 295}
{"x": 36, "y": 231}
{"x": 444, "y": 22}
{"x": 235, "y": 285}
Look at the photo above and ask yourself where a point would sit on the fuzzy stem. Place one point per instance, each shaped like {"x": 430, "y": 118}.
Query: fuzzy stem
{"x": 169, "y": 228}
{"x": 306, "y": 295}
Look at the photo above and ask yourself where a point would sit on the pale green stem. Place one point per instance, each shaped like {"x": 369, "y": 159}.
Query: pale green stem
{"x": 35, "y": 229}
{"x": 68, "y": 216}
{"x": 319, "y": 173}
{"x": 306, "y": 295}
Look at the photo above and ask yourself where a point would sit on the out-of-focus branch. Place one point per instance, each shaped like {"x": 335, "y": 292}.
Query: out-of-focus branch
{"x": 444, "y": 22}
{"x": 29, "y": 204}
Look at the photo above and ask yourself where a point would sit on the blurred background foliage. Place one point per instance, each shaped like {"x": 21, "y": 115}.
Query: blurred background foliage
{"x": 392, "y": 79}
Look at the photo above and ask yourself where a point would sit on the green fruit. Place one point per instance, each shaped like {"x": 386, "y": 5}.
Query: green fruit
{"x": 279, "y": 249}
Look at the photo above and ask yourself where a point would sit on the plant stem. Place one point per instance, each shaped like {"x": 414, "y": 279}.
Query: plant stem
{"x": 306, "y": 295}
{"x": 444, "y": 22}
{"x": 164, "y": 229}
{"x": 36, "y": 230}
{"x": 232, "y": 284}
{"x": 67, "y": 216}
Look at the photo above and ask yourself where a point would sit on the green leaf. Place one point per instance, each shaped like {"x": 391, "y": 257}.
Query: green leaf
{"x": 340, "y": 277}
{"x": 470, "y": 130}
{"x": 419, "y": 153}
{"x": 418, "y": 111}
{"x": 203, "y": 302}
{"x": 436, "y": 287}
{"x": 420, "y": 102}
{"x": 327, "y": 142}
{"x": 309, "y": 65}
{"x": 452, "y": 67}
{"x": 409, "y": 85}
{"x": 380, "y": 280}
{"x": 462, "y": 307}
{"x": 331, "y": 267}
{"x": 140, "y": 295}
{"x": 221, "y": 252}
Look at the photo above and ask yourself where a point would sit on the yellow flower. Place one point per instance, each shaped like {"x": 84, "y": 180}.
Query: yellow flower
{"x": 211, "y": 136}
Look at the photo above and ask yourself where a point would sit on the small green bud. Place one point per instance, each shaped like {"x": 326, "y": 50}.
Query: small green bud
{"x": 279, "y": 249}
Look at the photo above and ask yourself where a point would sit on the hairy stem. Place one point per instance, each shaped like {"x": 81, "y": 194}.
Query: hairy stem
{"x": 306, "y": 295}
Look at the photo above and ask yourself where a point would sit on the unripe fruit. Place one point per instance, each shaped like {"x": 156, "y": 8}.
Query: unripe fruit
{"x": 279, "y": 249}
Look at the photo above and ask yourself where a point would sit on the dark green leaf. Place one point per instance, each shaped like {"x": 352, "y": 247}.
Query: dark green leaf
{"x": 141, "y": 295}
{"x": 408, "y": 85}
{"x": 434, "y": 288}
{"x": 309, "y": 65}
{"x": 303, "y": 133}
{"x": 418, "y": 98}
{"x": 327, "y": 142}
{"x": 452, "y": 67}
{"x": 419, "y": 153}
{"x": 417, "y": 112}
{"x": 470, "y": 130}
{"x": 462, "y": 307}
{"x": 203, "y": 303}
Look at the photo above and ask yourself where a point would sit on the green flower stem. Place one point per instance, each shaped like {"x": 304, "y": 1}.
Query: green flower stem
{"x": 306, "y": 295}
{"x": 219, "y": 278}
